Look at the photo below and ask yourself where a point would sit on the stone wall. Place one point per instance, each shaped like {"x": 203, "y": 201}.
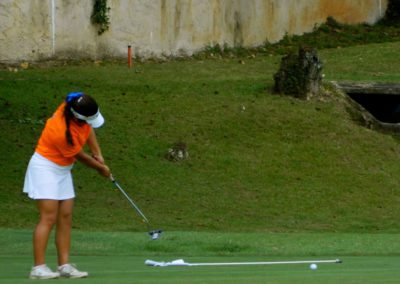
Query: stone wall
{"x": 33, "y": 30}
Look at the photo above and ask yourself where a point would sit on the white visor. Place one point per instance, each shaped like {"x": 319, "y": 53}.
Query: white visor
{"x": 95, "y": 120}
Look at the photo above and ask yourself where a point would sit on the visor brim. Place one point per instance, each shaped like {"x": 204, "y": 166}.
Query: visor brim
{"x": 96, "y": 122}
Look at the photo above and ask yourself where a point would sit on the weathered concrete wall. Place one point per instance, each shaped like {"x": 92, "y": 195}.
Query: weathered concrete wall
{"x": 24, "y": 30}
{"x": 41, "y": 29}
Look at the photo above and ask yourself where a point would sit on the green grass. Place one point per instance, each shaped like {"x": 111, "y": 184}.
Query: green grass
{"x": 374, "y": 62}
{"x": 268, "y": 177}
{"x": 202, "y": 244}
{"x": 131, "y": 269}
{"x": 119, "y": 257}
{"x": 280, "y": 165}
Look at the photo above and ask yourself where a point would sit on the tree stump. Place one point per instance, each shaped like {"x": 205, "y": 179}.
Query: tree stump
{"x": 299, "y": 75}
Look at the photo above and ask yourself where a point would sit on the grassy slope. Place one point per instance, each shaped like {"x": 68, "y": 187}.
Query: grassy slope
{"x": 279, "y": 165}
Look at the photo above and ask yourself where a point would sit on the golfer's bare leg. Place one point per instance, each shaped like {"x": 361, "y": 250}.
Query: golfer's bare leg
{"x": 48, "y": 215}
{"x": 63, "y": 231}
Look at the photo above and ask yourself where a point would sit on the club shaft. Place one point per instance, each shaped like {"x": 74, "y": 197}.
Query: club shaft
{"x": 131, "y": 201}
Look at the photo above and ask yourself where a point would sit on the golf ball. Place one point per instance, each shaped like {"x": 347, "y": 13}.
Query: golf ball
{"x": 313, "y": 266}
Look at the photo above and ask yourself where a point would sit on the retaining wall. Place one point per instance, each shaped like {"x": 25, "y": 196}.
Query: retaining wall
{"x": 33, "y": 30}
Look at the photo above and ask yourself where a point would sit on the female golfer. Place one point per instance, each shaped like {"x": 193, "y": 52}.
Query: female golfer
{"x": 48, "y": 178}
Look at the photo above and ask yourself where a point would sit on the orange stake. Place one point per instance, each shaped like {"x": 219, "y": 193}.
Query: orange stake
{"x": 129, "y": 56}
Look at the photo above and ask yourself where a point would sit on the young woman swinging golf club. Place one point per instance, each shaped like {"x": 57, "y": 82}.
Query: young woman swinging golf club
{"x": 48, "y": 178}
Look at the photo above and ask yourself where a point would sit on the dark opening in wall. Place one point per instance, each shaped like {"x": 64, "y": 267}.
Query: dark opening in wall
{"x": 381, "y": 100}
{"x": 385, "y": 108}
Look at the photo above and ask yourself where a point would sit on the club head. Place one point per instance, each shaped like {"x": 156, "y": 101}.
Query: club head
{"x": 155, "y": 234}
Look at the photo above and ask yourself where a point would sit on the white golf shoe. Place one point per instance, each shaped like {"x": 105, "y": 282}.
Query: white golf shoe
{"x": 43, "y": 272}
{"x": 70, "y": 271}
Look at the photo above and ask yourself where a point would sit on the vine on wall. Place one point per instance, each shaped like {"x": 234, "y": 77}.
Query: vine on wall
{"x": 100, "y": 15}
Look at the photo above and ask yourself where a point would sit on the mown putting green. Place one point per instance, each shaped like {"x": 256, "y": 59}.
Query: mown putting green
{"x": 119, "y": 257}
{"x": 131, "y": 269}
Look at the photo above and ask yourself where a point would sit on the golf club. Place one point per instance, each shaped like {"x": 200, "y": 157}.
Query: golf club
{"x": 154, "y": 234}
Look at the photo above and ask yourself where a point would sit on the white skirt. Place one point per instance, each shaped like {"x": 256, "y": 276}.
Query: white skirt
{"x": 47, "y": 180}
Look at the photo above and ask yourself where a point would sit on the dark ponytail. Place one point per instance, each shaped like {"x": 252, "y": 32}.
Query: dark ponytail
{"x": 68, "y": 116}
{"x": 70, "y": 99}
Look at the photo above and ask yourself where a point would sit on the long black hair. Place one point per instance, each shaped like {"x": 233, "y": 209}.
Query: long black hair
{"x": 82, "y": 104}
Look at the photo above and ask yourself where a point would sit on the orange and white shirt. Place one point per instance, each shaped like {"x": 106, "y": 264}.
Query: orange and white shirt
{"x": 53, "y": 143}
